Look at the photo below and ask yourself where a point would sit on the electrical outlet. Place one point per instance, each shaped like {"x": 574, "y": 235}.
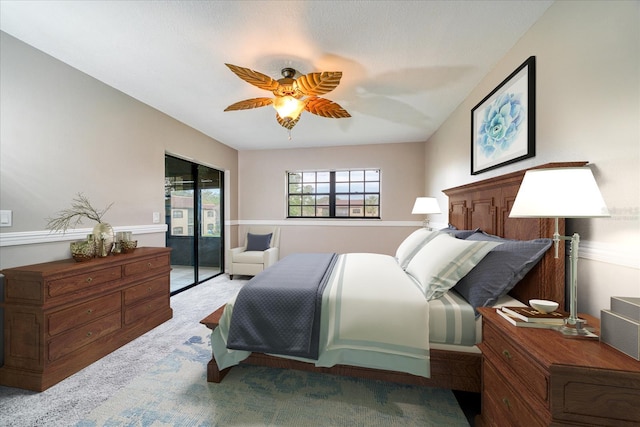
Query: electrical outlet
{"x": 156, "y": 217}
{"x": 5, "y": 218}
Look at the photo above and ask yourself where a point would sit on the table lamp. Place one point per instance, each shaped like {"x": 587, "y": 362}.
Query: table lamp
{"x": 562, "y": 193}
{"x": 426, "y": 205}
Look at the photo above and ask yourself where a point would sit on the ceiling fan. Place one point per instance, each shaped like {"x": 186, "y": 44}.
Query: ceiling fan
{"x": 292, "y": 95}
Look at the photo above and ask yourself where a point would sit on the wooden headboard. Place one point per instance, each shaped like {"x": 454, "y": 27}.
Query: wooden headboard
{"x": 486, "y": 205}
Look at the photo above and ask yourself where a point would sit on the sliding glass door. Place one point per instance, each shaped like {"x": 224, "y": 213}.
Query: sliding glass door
{"x": 193, "y": 211}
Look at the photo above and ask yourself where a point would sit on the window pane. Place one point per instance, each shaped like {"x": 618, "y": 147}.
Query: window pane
{"x": 309, "y": 200}
{"x": 372, "y": 187}
{"x": 372, "y": 175}
{"x": 356, "y": 211}
{"x": 308, "y": 211}
{"x": 309, "y": 188}
{"x": 322, "y": 200}
{"x": 342, "y": 187}
{"x": 294, "y": 211}
{"x": 309, "y": 177}
{"x": 372, "y": 211}
{"x": 342, "y": 211}
{"x": 295, "y": 200}
{"x": 372, "y": 200}
{"x": 295, "y": 177}
{"x": 357, "y": 187}
{"x": 294, "y": 188}
{"x": 342, "y": 176}
{"x": 323, "y": 188}
{"x": 323, "y": 176}
{"x": 357, "y": 200}
{"x": 357, "y": 175}
{"x": 322, "y": 211}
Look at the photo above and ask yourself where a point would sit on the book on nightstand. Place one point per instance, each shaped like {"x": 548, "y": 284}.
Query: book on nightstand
{"x": 531, "y": 315}
{"x": 524, "y": 324}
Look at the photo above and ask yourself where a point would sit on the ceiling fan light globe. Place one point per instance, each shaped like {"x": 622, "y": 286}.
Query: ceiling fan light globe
{"x": 288, "y": 107}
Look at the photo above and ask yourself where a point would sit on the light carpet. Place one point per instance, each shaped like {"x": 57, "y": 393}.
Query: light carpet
{"x": 160, "y": 380}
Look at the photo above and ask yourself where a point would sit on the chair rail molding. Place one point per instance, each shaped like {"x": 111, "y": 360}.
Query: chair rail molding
{"x": 46, "y": 236}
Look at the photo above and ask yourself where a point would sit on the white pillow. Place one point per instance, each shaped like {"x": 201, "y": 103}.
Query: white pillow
{"x": 443, "y": 261}
{"x": 412, "y": 244}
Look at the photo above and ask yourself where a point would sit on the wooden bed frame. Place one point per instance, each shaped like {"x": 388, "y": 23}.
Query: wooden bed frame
{"x": 485, "y": 205}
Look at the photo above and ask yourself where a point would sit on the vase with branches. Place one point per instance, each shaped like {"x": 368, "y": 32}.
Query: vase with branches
{"x": 80, "y": 209}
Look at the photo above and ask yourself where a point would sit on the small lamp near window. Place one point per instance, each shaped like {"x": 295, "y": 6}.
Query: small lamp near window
{"x": 562, "y": 193}
{"x": 426, "y": 205}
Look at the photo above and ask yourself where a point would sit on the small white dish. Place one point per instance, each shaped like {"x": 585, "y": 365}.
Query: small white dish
{"x": 543, "y": 305}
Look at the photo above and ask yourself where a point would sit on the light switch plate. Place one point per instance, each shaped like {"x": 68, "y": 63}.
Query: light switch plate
{"x": 156, "y": 217}
{"x": 5, "y": 218}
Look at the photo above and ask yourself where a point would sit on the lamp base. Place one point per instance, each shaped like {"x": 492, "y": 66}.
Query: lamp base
{"x": 575, "y": 328}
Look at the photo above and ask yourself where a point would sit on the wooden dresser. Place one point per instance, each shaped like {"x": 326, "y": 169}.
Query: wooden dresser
{"x": 537, "y": 377}
{"x": 61, "y": 316}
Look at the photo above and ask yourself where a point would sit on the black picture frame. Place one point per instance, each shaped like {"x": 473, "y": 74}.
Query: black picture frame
{"x": 503, "y": 124}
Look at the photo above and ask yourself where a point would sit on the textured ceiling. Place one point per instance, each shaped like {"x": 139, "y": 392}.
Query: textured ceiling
{"x": 406, "y": 64}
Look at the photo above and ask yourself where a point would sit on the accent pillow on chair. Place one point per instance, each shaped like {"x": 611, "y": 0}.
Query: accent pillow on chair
{"x": 258, "y": 242}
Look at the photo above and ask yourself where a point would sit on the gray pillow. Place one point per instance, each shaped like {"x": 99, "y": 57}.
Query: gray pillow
{"x": 501, "y": 269}
{"x": 258, "y": 242}
{"x": 458, "y": 234}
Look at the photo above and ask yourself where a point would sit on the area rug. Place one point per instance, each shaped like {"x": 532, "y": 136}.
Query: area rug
{"x": 175, "y": 392}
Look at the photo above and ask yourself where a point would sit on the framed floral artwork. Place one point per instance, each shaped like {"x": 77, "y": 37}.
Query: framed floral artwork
{"x": 503, "y": 125}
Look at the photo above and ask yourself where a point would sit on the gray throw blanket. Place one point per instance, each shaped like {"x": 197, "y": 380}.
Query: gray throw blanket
{"x": 278, "y": 311}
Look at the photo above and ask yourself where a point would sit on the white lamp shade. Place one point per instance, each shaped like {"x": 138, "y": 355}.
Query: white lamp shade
{"x": 559, "y": 193}
{"x": 426, "y": 205}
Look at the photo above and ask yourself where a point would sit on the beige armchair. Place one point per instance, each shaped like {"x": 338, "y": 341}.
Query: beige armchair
{"x": 253, "y": 261}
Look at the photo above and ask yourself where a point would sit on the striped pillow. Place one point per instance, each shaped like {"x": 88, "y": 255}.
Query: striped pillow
{"x": 412, "y": 244}
{"x": 443, "y": 261}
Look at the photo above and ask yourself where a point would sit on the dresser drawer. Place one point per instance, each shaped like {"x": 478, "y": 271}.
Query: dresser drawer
{"x": 509, "y": 355}
{"x": 146, "y": 265}
{"x": 500, "y": 405}
{"x": 83, "y": 335}
{"x": 71, "y": 284}
{"x": 137, "y": 312}
{"x": 146, "y": 290}
{"x": 80, "y": 314}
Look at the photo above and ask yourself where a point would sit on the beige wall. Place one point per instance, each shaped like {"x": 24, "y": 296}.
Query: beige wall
{"x": 263, "y": 196}
{"x": 588, "y": 108}
{"x": 64, "y": 132}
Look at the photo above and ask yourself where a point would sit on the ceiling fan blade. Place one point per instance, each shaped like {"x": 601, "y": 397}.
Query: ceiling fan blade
{"x": 254, "y": 77}
{"x": 314, "y": 84}
{"x": 250, "y": 103}
{"x": 325, "y": 108}
{"x": 287, "y": 123}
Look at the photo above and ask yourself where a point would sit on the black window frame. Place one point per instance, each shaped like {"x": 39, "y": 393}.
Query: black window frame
{"x": 324, "y": 194}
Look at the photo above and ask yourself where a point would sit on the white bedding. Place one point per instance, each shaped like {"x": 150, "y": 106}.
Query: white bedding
{"x": 374, "y": 315}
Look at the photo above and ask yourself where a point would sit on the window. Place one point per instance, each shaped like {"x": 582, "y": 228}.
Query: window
{"x": 334, "y": 194}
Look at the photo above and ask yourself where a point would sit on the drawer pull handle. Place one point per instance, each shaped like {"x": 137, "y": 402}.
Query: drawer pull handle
{"x": 89, "y": 279}
{"x": 506, "y": 402}
{"x": 149, "y": 264}
{"x": 506, "y": 354}
{"x": 149, "y": 288}
{"x": 90, "y": 311}
{"x": 89, "y": 333}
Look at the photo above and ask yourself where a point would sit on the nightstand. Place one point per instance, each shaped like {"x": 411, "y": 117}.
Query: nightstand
{"x": 537, "y": 377}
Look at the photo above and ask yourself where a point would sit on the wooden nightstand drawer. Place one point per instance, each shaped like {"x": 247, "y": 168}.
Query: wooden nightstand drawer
{"x": 522, "y": 366}
{"x": 595, "y": 396}
{"x": 67, "y": 285}
{"x": 500, "y": 403}
{"x": 83, "y": 335}
{"x": 63, "y": 320}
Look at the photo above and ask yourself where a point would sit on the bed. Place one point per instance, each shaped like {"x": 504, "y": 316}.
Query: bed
{"x": 479, "y": 209}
